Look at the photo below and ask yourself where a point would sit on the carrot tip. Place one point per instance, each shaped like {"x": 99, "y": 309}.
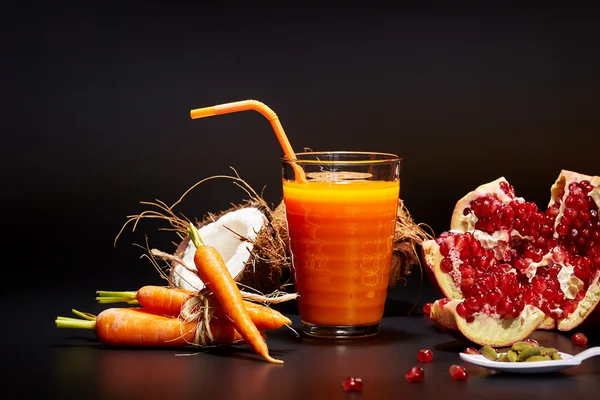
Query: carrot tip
{"x": 273, "y": 360}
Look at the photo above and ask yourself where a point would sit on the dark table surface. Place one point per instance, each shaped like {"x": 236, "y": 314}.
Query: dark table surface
{"x": 46, "y": 362}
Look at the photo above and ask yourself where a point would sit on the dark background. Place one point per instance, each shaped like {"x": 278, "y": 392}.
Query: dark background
{"x": 95, "y": 120}
{"x": 97, "y": 102}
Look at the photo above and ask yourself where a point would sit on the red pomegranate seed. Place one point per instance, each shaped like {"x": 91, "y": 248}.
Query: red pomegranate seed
{"x": 539, "y": 284}
{"x": 427, "y": 308}
{"x": 473, "y": 303}
{"x": 532, "y": 341}
{"x": 508, "y": 189}
{"x": 470, "y": 350}
{"x": 581, "y": 272}
{"x": 562, "y": 229}
{"x": 425, "y": 355}
{"x": 351, "y": 384}
{"x": 569, "y": 306}
{"x": 445, "y": 248}
{"x": 559, "y": 254}
{"x": 415, "y": 374}
{"x": 458, "y": 372}
{"x": 463, "y": 311}
{"x": 579, "y": 339}
{"x": 446, "y": 265}
{"x": 518, "y": 305}
{"x": 504, "y": 307}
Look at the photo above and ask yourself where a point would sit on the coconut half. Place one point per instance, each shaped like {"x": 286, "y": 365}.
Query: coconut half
{"x": 251, "y": 247}
{"x": 232, "y": 235}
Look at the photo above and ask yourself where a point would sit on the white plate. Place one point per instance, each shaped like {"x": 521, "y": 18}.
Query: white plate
{"x": 532, "y": 367}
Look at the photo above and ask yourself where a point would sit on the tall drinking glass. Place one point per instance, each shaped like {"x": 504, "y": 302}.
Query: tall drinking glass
{"x": 341, "y": 215}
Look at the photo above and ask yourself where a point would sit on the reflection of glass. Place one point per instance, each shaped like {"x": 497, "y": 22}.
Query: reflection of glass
{"x": 341, "y": 217}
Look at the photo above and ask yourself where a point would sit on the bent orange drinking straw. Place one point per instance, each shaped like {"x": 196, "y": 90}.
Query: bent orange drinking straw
{"x": 245, "y": 105}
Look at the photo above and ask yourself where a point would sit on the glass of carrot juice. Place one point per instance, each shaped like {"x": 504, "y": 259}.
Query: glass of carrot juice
{"x": 341, "y": 215}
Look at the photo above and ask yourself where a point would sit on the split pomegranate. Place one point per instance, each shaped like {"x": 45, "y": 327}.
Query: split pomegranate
{"x": 503, "y": 257}
{"x": 579, "y": 339}
{"x": 415, "y": 374}
{"x": 425, "y": 356}
{"x": 351, "y": 384}
{"x": 458, "y": 372}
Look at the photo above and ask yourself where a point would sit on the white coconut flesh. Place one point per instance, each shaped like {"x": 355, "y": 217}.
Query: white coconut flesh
{"x": 232, "y": 235}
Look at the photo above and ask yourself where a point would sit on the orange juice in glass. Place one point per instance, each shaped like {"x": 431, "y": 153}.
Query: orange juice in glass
{"x": 341, "y": 216}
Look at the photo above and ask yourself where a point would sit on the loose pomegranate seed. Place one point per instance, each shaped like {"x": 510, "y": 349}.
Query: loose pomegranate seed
{"x": 470, "y": 350}
{"x": 579, "y": 339}
{"x": 351, "y": 384}
{"x": 415, "y": 374}
{"x": 458, "y": 372}
{"x": 427, "y": 308}
{"x": 425, "y": 355}
{"x": 532, "y": 341}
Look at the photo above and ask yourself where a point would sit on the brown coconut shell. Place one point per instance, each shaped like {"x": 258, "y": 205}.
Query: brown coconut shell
{"x": 267, "y": 268}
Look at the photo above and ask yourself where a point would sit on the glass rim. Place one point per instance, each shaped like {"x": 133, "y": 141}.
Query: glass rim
{"x": 386, "y": 157}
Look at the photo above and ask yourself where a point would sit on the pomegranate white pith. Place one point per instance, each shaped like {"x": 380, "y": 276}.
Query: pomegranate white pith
{"x": 502, "y": 255}
{"x": 484, "y": 330}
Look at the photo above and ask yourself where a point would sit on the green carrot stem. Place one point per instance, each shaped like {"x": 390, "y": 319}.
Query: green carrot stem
{"x": 116, "y": 297}
{"x": 86, "y": 321}
{"x": 84, "y": 315}
{"x": 195, "y": 236}
{"x": 75, "y": 323}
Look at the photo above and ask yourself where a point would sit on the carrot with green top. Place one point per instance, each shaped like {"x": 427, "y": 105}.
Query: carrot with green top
{"x": 137, "y": 327}
{"x": 215, "y": 275}
{"x": 159, "y": 299}
{"x": 169, "y": 301}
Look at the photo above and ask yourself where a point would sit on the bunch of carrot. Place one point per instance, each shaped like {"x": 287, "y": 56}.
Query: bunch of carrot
{"x": 158, "y": 321}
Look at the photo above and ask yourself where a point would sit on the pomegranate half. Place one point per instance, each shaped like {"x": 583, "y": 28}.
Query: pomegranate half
{"x": 503, "y": 257}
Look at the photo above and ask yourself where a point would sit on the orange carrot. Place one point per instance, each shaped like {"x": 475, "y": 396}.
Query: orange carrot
{"x": 163, "y": 300}
{"x": 169, "y": 301}
{"x": 262, "y": 316}
{"x": 137, "y": 327}
{"x": 215, "y": 275}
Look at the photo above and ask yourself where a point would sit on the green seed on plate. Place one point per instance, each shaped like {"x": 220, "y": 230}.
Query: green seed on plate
{"x": 489, "y": 353}
{"x": 546, "y": 351}
{"x": 528, "y": 352}
{"x": 512, "y": 356}
{"x": 538, "y": 358}
{"x": 520, "y": 346}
